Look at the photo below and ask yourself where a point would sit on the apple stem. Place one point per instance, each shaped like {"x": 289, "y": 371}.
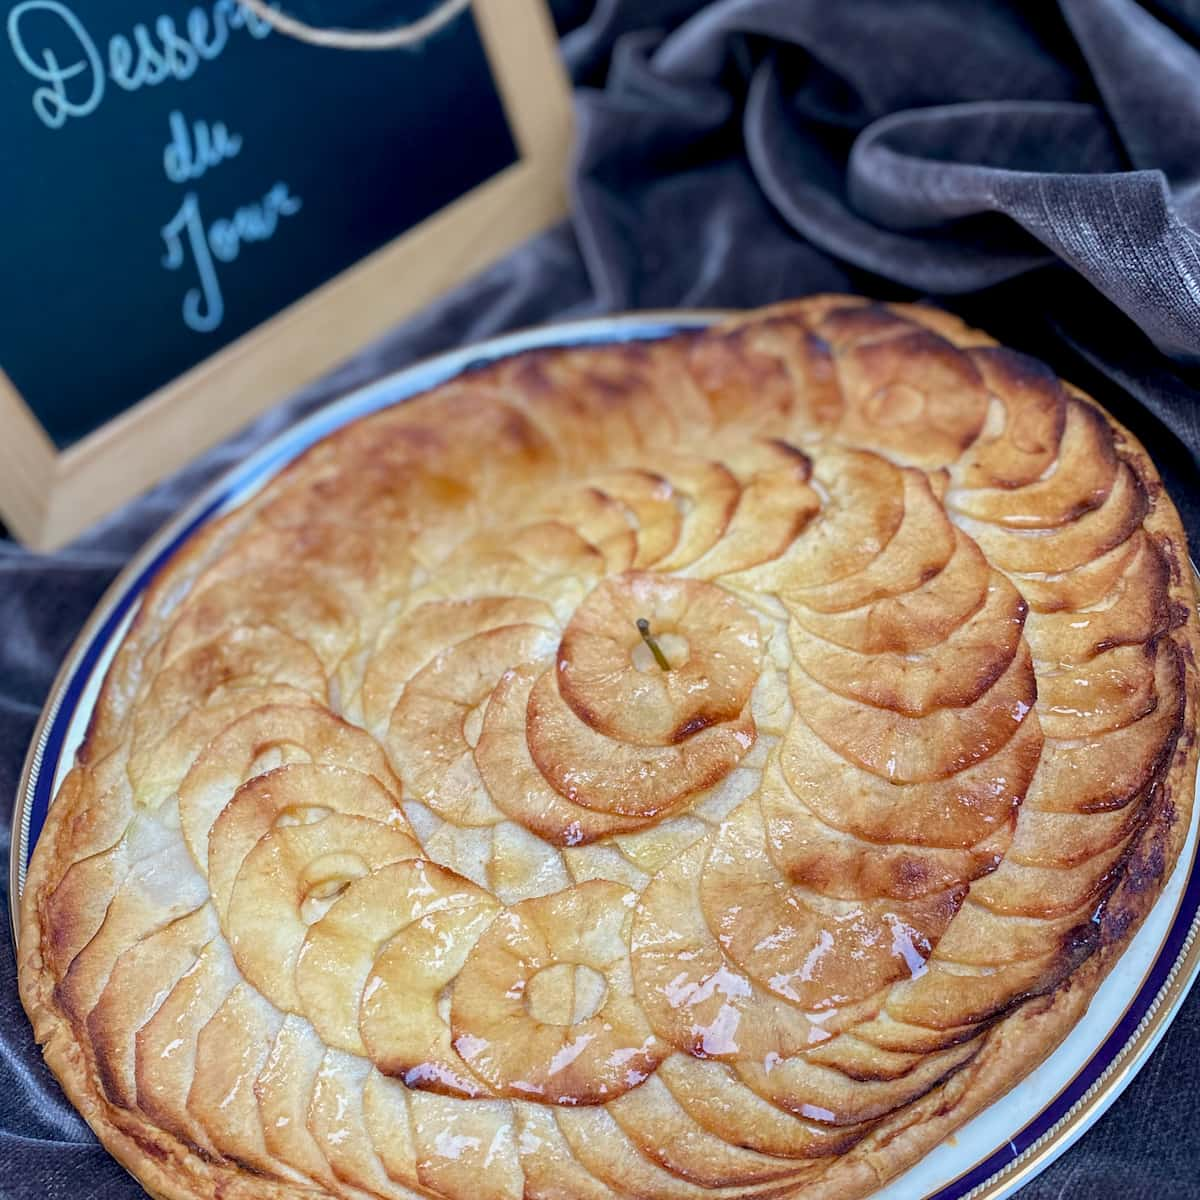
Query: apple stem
{"x": 659, "y": 657}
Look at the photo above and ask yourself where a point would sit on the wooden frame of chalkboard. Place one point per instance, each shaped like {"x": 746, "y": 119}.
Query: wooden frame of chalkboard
{"x": 51, "y": 491}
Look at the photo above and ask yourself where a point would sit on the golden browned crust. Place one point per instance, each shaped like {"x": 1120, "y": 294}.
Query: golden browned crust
{"x": 828, "y": 475}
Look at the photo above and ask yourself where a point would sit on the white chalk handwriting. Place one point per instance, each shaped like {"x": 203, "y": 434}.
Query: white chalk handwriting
{"x": 150, "y": 54}
{"x": 187, "y": 238}
{"x": 194, "y": 148}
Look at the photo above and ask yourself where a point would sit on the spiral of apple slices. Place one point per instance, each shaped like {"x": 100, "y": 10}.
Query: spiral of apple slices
{"x": 516, "y": 784}
{"x": 412, "y": 640}
{"x": 1049, "y": 502}
{"x": 762, "y": 374}
{"x": 284, "y": 881}
{"x": 84, "y": 888}
{"x": 651, "y": 772}
{"x": 1025, "y": 926}
{"x": 914, "y": 743}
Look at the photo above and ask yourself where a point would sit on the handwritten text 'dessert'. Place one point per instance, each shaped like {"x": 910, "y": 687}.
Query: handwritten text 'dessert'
{"x": 75, "y": 84}
{"x": 72, "y": 76}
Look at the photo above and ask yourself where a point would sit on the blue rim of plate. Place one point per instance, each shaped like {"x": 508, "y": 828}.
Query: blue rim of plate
{"x": 1108, "y": 1070}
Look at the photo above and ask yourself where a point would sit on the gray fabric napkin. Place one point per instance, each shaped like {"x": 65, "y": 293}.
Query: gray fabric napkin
{"x": 1032, "y": 166}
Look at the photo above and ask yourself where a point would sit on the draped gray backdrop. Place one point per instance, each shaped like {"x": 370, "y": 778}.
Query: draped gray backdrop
{"x": 1033, "y": 166}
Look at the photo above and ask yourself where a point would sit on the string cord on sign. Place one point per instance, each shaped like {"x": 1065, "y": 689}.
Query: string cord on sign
{"x": 399, "y": 38}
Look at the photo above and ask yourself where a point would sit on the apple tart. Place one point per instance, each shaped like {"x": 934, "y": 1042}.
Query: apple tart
{"x": 707, "y": 768}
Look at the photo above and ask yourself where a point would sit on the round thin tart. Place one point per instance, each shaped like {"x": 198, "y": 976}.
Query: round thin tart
{"x": 707, "y": 768}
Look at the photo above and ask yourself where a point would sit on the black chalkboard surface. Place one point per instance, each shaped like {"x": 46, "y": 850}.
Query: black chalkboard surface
{"x": 172, "y": 173}
{"x": 200, "y": 212}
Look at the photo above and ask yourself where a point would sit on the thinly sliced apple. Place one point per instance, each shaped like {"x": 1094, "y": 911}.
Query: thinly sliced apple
{"x": 165, "y": 1047}
{"x": 338, "y": 1125}
{"x": 388, "y": 1123}
{"x": 79, "y": 904}
{"x": 919, "y": 749}
{"x": 810, "y": 853}
{"x": 1062, "y": 840}
{"x": 990, "y": 941}
{"x": 516, "y": 785}
{"x": 814, "y": 951}
{"x": 257, "y": 742}
{"x": 297, "y": 602}
{"x": 427, "y": 737}
{"x": 862, "y": 507}
{"x": 845, "y": 321}
{"x": 1085, "y": 586}
{"x": 465, "y": 1149}
{"x": 955, "y": 813}
{"x": 1106, "y": 772}
{"x": 157, "y": 771}
{"x": 650, "y": 501}
{"x": 142, "y": 978}
{"x": 600, "y": 519}
{"x": 615, "y": 777}
{"x": 859, "y": 1059}
{"x": 548, "y": 562}
{"x": 1047, "y": 893}
{"x": 551, "y": 1171}
{"x": 914, "y": 396}
{"x": 899, "y": 1037}
{"x": 697, "y": 999}
{"x": 416, "y": 637}
{"x": 1029, "y": 551}
{"x": 599, "y": 402}
{"x": 558, "y": 1059}
{"x": 747, "y": 384}
{"x": 950, "y": 996}
{"x": 288, "y": 880}
{"x": 255, "y": 657}
{"x": 231, "y": 1051}
{"x": 361, "y": 558}
{"x": 1081, "y": 478}
{"x": 1108, "y": 692}
{"x": 1136, "y": 610}
{"x": 1024, "y": 443}
{"x": 374, "y": 969}
{"x": 389, "y": 492}
{"x": 714, "y": 1096}
{"x": 952, "y": 674}
{"x": 630, "y": 698}
{"x": 605, "y": 1150}
{"x": 829, "y": 1097}
{"x": 774, "y": 509}
{"x": 298, "y": 794}
{"x": 921, "y": 547}
{"x": 158, "y": 890}
{"x": 284, "y": 1090}
{"x": 706, "y": 493}
{"x": 338, "y": 953}
{"x": 654, "y": 1121}
{"x": 912, "y": 621}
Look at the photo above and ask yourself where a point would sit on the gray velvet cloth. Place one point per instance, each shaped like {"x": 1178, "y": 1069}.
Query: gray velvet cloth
{"x": 1033, "y": 166}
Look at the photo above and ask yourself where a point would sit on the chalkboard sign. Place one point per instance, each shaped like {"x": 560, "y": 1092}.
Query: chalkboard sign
{"x": 199, "y": 212}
